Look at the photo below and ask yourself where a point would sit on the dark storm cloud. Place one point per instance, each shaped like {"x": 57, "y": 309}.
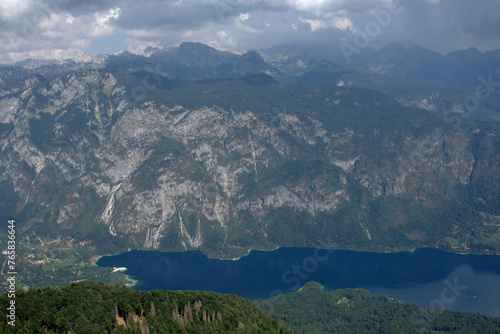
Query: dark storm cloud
{"x": 447, "y": 25}
{"x": 38, "y": 27}
{"x": 157, "y": 14}
{"x": 480, "y": 18}
{"x": 88, "y": 6}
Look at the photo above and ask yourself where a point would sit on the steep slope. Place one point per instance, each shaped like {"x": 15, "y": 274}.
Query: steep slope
{"x": 231, "y": 165}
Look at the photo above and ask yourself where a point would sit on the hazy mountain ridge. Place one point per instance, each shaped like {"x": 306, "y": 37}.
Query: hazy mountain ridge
{"x": 457, "y": 70}
{"x": 460, "y": 70}
{"x": 427, "y": 96}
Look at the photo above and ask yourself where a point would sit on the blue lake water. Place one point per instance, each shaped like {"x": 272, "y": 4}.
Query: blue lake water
{"x": 426, "y": 277}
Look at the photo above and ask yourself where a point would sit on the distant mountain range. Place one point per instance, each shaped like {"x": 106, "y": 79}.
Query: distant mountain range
{"x": 414, "y": 76}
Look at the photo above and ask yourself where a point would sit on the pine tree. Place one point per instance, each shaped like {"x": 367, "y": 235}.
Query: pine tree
{"x": 197, "y": 306}
{"x": 188, "y": 311}
{"x": 175, "y": 314}
{"x": 181, "y": 322}
{"x": 119, "y": 320}
{"x": 153, "y": 309}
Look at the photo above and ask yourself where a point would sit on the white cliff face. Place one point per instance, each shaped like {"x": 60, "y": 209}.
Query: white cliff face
{"x": 160, "y": 173}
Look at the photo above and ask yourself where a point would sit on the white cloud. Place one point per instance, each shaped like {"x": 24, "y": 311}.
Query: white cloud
{"x": 342, "y": 23}
{"x": 244, "y": 16}
{"x": 307, "y": 5}
{"x": 55, "y": 34}
{"x": 101, "y": 25}
{"x": 14, "y": 9}
{"x": 103, "y": 18}
{"x": 314, "y": 24}
{"x": 222, "y": 34}
{"x": 238, "y": 24}
{"x": 56, "y": 54}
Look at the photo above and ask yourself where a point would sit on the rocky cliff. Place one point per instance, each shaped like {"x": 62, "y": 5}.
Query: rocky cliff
{"x": 230, "y": 165}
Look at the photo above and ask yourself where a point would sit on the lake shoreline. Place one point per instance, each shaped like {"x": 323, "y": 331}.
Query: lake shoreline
{"x": 249, "y": 251}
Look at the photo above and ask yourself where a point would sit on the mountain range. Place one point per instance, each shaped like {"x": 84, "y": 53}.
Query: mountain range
{"x": 191, "y": 147}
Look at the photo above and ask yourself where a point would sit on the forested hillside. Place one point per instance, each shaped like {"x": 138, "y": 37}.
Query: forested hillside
{"x": 89, "y": 307}
{"x": 313, "y": 310}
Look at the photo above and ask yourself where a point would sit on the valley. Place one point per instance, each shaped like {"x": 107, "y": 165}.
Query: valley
{"x": 117, "y": 161}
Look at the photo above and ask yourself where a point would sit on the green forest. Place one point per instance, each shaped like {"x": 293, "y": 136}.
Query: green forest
{"x": 90, "y": 307}
{"x": 313, "y": 310}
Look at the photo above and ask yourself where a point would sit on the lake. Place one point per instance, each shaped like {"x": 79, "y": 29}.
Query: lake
{"x": 426, "y": 277}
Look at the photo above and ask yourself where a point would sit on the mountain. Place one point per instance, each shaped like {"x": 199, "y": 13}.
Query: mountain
{"x": 231, "y": 165}
{"x": 456, "y": 70}
{"x": 323, "y": 73}
{"x": 195, "y": 61}
{"x": 313, "y": 310}
{"x": 290, "y": 61}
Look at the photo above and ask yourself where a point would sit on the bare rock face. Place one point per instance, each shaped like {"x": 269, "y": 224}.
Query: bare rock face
{"x": 161, "y": 175}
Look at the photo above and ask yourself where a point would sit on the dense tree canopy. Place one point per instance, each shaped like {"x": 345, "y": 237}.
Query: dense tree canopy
{"x": 313, "y": 310}
{"x": 89, "y": 307}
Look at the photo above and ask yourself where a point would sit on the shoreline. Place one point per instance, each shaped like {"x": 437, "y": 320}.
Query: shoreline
{"x": 413, "y": 250}
{"x": 131, "y": 282}
{"x": 249, "y": 251}
{"x": 121, "y": 270}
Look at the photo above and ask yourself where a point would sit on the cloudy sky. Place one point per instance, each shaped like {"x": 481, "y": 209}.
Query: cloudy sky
{"x": 65, "y": 28}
